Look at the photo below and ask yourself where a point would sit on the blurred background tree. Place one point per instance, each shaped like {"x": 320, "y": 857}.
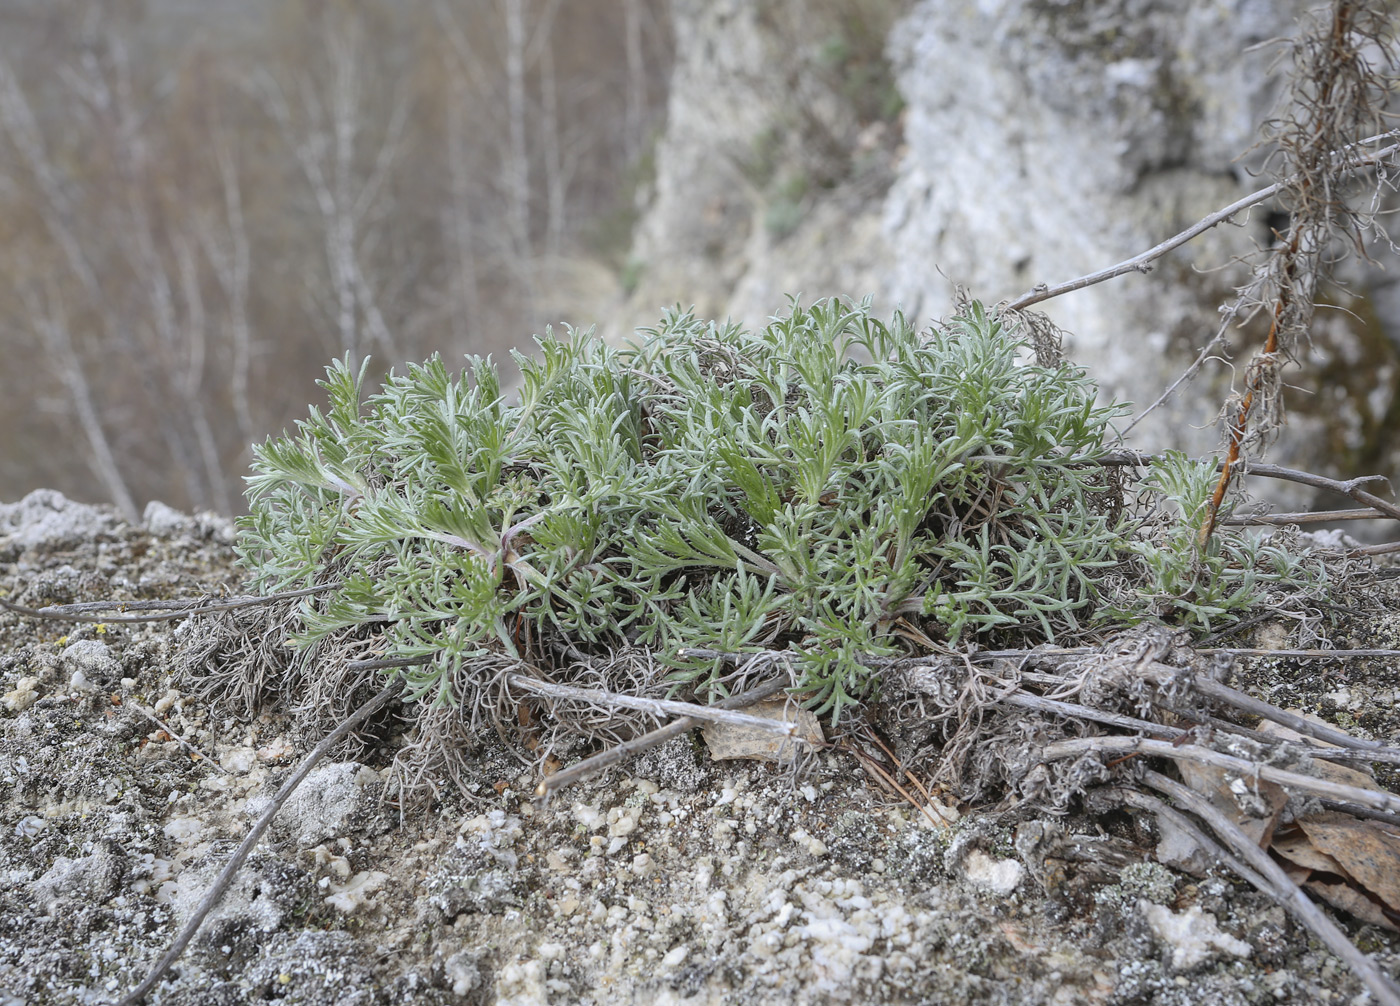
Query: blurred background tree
{"x": 202, "y": 203}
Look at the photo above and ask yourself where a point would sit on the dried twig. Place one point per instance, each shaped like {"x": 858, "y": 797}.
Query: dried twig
{"x": 1073, "y": 748}
{"x": 225, "y": 877}
{"x": 1349, "y": 487}
{"x": 1147, "y": 802}
{"x": 185, "y": 608}
{"x": 187, "y": 745}
{"x": 874, "y": 768}
{"x": 1279, "y": 886}
{"x": 657, "y": 707}
{"x": 619, "y": 753}
{"x": 1310, "y": 517}
{"x": 1386, "y": 549}
{"x": 1139, "y": 263}
{"x": 1234, "y": 698}
{"x": 1070, "y": 710}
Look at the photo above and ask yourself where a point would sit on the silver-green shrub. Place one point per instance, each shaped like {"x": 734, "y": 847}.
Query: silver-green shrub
{"x": 831, "y": 484}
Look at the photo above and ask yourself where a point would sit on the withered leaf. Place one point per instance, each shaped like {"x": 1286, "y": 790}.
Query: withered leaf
{"x": 1295, "y": 846}
{"x": 1367, "y": 851}
{"x": 728, "y": 742}
{"x": 1348, "y": 899}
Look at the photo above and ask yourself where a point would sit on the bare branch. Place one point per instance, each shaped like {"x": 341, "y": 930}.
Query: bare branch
{"x": 52, "y": 323}
{"x": 65, "y": 613}
{"x": 620, "y": 753}
{"x": 1373, "y": 798}
{"x": 1140, "y": 263}
{"x": 657, "y": 707}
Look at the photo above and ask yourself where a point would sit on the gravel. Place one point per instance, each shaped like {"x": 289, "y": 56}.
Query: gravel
{"x": 675, "y": 880}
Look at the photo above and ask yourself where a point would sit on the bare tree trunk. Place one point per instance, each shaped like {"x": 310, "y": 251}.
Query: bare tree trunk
{"x": 555, "y": 188}
{"x": 517, "y": 165}
{"x": 57, "y": 214}
{"x": 340, "y": 226}
{"x": 636, "y": 109}
{"x": 457, "y": 220}
{"x": 326, "y": 154}
{"x": 230, "y": 261}
{"x": 195, "y": 329}
{"x": 172, "y": 336}
{"x": 52, "y": 326}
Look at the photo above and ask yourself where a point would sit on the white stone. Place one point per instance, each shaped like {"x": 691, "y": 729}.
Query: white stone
{"x": 355, "y": 892}
{"x": 997, "y": 876}
{"x": 238, "y": 760}
{"x": 160, "y": 518}
{"x": 1193, "y": 935}
{"x": 25, "y": 694}
{"x": 675, "y": 958}
{"x": 90, "y": 663}
{"x": 48, "y": 519}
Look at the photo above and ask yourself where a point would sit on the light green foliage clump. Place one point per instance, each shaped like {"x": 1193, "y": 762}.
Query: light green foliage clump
{"x": 831, "y": 484}
{"x": 1178, "y": 581}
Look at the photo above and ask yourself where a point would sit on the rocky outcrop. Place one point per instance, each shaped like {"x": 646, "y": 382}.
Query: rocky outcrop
{"x": 1039, "y": 141}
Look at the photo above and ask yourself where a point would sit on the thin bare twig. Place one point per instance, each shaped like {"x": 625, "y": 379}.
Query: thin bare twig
{"x": 1216, "y": 340}
{"x": 1310, "y": 517}
{"x": 619, "y": 753}
{"x": 657, "y": 707}
{"x": 1071, "y": 710}
{"x": 1372, "y": 798}
{"x": 1139, "y": 263}
{"x": 1147, "y": 802}
{"x": 71, "y": 612}
{"x": 188, "y": 746}
{"x": 225, "y": 877}
{"x": 874, "y": 768}
{"x": 1256, "y": 707}
{"x": 1280, "y": 887}
{"x": 1366, "y": 550}
{"x": 1350, "y": 487}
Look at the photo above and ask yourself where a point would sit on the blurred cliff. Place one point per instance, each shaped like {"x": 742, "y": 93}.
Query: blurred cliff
{"x": 201, "y": 203}
{"x": 1000, "y": 145}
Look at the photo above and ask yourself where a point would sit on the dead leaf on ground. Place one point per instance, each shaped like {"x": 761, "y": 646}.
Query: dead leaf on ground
{"x": 727, "y": 742}
{"x": 1297, "y": 848}
{"x": 1348, "y": 899}
{"x": 1366, "y": 850}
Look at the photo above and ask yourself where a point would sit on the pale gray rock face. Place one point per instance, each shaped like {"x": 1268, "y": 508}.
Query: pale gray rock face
{"x": 1041, "y": 141}
{"x": 1046, "y": 141}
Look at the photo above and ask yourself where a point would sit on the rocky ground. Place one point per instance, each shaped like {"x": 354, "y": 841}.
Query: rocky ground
{"x": 677, "y": 880}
